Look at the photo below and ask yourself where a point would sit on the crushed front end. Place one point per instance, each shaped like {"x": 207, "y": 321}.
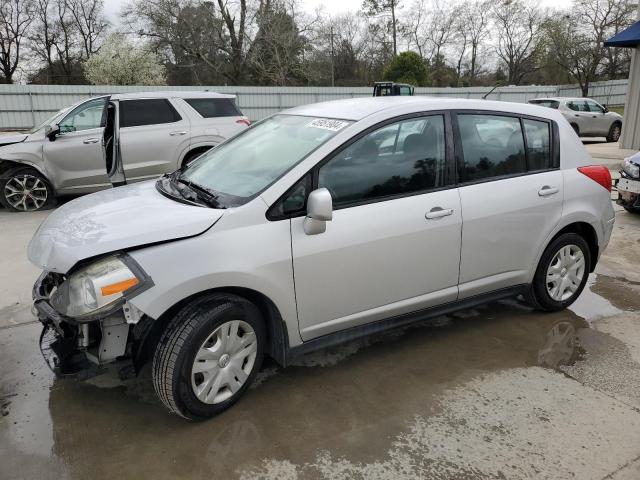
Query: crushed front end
{"x": 628, "y": 185}
{"x": 88, "y": 323}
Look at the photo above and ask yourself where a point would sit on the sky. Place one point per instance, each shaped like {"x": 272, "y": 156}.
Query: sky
{"x": 112, "y": 7}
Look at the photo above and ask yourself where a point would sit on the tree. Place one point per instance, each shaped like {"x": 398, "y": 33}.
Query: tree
{"x": 577, "y": 38}
{"x": 517, "y": 27}
{"x": 385, "y": 7}
{"x": 15, "y": 18}
{"x": 120, "y": 62}
{"x": 475, "y": 19}
{"x": 407, "y": 67}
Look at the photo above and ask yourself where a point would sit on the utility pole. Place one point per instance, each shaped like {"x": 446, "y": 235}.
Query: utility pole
{"x": 333, "y": 70}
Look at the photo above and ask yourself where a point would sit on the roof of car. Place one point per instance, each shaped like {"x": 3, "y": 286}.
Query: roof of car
{"x": 359, "y": 108}
{"x": 562, "y": 99}
{"x": 171, "y": 94}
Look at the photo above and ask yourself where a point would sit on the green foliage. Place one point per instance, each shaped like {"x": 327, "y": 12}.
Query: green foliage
{"x": 407, "y": 67}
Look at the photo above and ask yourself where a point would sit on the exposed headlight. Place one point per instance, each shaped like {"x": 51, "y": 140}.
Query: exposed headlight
{"x": 632, "y": 169}
{"x": 97, "y": 287}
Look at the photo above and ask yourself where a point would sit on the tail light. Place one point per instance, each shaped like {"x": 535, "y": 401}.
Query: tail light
{"x": 244, "y": 121}
{"x": 598, "y": 174}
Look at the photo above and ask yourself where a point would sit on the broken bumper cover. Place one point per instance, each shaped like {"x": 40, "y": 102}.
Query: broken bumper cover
{"x": 628, "y": 191}
{"x": 61, "y": 337}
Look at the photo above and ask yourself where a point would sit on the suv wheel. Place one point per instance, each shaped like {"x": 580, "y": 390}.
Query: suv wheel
{"x": 25, "y": 190}
{"x": 614, "y": 133}
{"x": 208, "y": 355}
{"x": 561, "y": 274}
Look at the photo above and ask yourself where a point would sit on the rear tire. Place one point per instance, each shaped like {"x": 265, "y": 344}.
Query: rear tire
{"x": 561, "y": 274}
{"x": 208, "y": 355}
{"x": 614, "y": 132}
{"x": 24, "y": 189}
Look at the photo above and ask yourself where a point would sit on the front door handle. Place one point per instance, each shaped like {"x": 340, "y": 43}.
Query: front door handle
{"x": 174, "y": 134}
{"x": 438, "y": 212}
{"x": 547, "y": 190}
{"x": 91, "y": 140}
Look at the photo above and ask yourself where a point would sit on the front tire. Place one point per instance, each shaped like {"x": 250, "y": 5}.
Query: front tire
{"x": 24, "y": 189}
{"x": 208, "y": 355}
{"x": 561, "y": 274}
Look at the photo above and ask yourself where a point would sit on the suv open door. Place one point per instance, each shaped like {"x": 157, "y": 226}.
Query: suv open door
{"x": 111, "y": 146}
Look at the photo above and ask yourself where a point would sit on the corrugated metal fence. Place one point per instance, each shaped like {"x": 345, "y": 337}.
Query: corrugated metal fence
{"x": 24, "y": 106}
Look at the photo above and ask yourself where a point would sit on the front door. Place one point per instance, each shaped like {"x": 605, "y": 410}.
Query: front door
{"x": 74, "y": 160}
{"x": 393, "y": 245}
{"x": 511, "y": 194}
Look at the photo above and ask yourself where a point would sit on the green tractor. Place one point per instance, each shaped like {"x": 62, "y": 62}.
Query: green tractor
{"x": 391, "y": 89}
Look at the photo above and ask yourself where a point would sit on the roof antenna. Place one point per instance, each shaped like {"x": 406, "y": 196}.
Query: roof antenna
{"x": 484, "y": 97}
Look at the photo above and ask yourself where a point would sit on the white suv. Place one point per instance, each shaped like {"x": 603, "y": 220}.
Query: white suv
{"x": 315, "y": 226}
{"x": 150, "y": 133}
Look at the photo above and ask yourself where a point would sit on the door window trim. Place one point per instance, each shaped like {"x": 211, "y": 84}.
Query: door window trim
{"x": 450, "y": 170}
{"x": 103, "y": 119}
{"x": 459, "y": 154}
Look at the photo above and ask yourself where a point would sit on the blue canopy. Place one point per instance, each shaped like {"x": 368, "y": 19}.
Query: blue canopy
{"x": 627, "y": 38}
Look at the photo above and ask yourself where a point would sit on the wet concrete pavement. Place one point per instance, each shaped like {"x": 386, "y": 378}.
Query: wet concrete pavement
{"x": 499, "y": 391}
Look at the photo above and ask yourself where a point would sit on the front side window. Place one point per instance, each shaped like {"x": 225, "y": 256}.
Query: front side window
{"x": 153, "y": 111}
{"x": 84, "y": 117}
{"x": 594, "y": 107}
{"x": 251, "y": 161}
{"x": 492, "y": 146}
{"x": 401, "y": 158}
{"x": 214, "y": 107}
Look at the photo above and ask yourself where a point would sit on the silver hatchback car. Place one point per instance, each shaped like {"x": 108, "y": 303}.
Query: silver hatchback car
{"x": 318, "y": 225}
{"x": 73, "y": 151}
{"x": 587, "y": 117}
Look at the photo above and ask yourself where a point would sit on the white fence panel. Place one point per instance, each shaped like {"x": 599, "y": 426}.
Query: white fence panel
{"x": 24, "y": 106}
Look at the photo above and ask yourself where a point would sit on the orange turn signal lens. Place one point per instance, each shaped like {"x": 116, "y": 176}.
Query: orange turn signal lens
{"x": 119, "y": 287}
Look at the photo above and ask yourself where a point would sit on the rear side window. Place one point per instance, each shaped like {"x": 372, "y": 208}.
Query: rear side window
{"x": 492, "y": 146}
{"x": 214, "y": 107}
{"x": 538, "y": 137}
{"x": 546, "y": 103}
{"x": 134, "y": 113}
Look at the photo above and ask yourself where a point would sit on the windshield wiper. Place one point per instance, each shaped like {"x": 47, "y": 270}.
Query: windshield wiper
{"x": 202, "y": 192}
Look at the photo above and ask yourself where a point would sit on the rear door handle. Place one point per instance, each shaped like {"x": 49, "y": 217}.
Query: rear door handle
{"x": 438, "y": 212}
{"x": 547, "y": 190}
{"x": 174, "y": 134}
{"x": 91, "y": 140}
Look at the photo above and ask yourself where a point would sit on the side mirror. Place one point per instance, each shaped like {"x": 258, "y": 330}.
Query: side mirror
{"x": 606, "y": 109}
{"x": 319, "y": 211}
{"x": 51, "y": 131}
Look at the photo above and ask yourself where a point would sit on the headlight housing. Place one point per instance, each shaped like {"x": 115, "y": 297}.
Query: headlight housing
{"x": 98, "y": 287}
{"x": 631, "y": 168}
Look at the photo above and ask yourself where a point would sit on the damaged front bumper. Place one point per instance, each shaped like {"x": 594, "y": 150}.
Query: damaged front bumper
{"x": 79, "y": 349}
{"x": 628, "y": 191}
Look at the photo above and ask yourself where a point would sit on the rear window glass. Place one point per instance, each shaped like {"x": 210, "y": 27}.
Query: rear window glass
{"x": 546, "y": 103}
{"x": 214, "y": 107}
{"x": 538, "y": 137}
{"x": 134, "y": 113}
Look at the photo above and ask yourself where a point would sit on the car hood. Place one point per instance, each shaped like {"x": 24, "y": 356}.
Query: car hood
{"x": 113, "y": 220}
{"x": 9, "y": 139}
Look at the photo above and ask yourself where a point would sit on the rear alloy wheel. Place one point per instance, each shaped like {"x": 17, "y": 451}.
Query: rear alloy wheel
{"x": 25, "y": 190}
{"x": 561, "y": 274}
{"x": 208, "y": 355}
{"x": 614, "y": 133}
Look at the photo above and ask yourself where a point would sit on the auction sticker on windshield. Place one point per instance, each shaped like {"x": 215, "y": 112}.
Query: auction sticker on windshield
{"x": 328, "y": 124}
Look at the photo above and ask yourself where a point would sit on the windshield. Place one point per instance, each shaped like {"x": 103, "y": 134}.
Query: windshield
{"x": 251, "y": 161}
{"x": 50, "y": 119}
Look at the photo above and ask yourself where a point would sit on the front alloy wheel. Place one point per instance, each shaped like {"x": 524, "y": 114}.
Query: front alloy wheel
{"x": 25, "y": 190}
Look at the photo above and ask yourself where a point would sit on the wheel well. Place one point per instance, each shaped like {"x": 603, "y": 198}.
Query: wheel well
{"x": 195, "y": 152}
{"x": 8, "y": 165}
{"x": 148, "y": 331}
{"x": 587, "y": 232}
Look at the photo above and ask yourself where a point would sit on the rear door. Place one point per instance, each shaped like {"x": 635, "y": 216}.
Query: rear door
{"x": 581, "y": 116}
{"x": 511, "y": 190}
{"x": 153, "y": 137}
